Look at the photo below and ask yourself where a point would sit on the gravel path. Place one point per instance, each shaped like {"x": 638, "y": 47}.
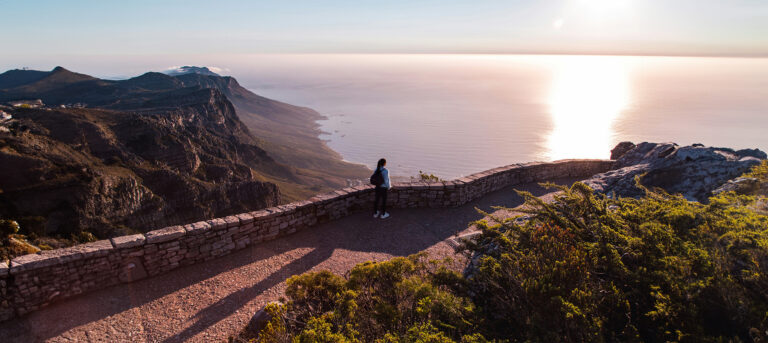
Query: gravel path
{"x": 213, "y": 300}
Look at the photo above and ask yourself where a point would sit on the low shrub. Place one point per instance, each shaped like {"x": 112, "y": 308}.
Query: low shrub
{"x": 8, "y": 228}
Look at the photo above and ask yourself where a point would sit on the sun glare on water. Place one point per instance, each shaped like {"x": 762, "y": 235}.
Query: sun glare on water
{"x": 587, "y": 95}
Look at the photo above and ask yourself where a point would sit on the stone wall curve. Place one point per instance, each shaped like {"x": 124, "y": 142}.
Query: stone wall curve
{"x": 35, "y": 280}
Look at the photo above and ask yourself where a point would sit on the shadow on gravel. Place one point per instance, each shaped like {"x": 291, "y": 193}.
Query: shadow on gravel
{"x": 406, "y": 232}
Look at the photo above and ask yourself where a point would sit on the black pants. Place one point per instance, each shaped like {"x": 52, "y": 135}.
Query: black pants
{"x": 381, "y": 194}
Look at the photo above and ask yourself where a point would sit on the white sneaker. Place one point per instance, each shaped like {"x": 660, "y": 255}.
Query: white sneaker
{"x": 385, "y": 215}
{"x": 376, "y": 215}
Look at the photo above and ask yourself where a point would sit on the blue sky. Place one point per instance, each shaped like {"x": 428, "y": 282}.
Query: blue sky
{"x": 658, "y": 27}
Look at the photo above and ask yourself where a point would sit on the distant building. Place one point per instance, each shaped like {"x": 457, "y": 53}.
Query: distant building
{"x": 27, "y": 103}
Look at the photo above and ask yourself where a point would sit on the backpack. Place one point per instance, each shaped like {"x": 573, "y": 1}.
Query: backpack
{"x": 377, "y": 179}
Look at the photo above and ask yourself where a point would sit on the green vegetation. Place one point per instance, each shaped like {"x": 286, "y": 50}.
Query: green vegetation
{"x": 11, "y": 243}
{"x": 405, "y": 299}
{"x": 17, "y": 238}
{"x": 428, "y": 177}
{"x": 581, "y": 268}
{"x": 8, "y": 228}
{"x": 83, "y": 237}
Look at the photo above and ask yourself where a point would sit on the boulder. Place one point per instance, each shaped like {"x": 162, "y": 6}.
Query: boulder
{"x": 621, "y": 149}
{"x": 693, "y": 171}
{"x": 744, "y": 186}
{"x": 260, "y": 319}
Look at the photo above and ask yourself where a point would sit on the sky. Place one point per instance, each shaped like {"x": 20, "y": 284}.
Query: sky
{"x": 39, "y": 29}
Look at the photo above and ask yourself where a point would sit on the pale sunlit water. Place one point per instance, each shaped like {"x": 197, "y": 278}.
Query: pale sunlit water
{"x": 453, "y": 115}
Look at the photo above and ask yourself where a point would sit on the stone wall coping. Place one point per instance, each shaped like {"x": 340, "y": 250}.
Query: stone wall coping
{"x": 217, "y": 224}
{"x": 327, "y": 197}
{"x": 130, "y": 241}
{"x": 259, "y": 215}
{"x": 435, "y": 185}
{"x": 363, "y": 188}
{"x": 4, "y": 269}
{"x": 32, "y": 261}
{"x": 165, "y": 234}
{"x": 341, "y": 192}
{"x": 232, "y": 221}
{"x": 245, "y": 218}
{"x": 287, "y": 207}
{"x": 197, "y": 228}
{"x": 273, "y": 212}
{"x": 47, "y": 258}
{"x": 350, "y": 190}
{"x": 302, "y": 204}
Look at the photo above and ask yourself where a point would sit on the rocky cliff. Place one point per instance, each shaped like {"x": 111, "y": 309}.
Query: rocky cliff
{"x": 102, "y": 171}
{"x": 146, "y": 152}
{"x": 693, "y": 171}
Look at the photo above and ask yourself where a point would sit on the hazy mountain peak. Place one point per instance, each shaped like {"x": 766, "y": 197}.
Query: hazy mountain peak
{"x": 174, "y": 71}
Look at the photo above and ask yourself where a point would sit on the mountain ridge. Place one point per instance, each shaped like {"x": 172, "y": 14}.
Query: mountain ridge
{"x": 150, "y": 151}
{"x": 289, "y": 132}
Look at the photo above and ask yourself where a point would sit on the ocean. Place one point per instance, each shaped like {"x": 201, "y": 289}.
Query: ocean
{"x": 453, "y": 115}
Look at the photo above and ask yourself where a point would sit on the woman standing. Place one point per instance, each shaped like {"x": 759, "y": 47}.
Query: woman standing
{"x": 380, "y": 179}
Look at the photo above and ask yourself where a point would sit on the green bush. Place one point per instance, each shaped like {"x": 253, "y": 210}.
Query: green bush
{"x": 659, "y": 268}
{"x": 406, "y": 299}
{"x": 83, "y": 237}
{"x": 428, "y": 177}
{"x": 8, "y": 228}
{"x": 580, "y": 268}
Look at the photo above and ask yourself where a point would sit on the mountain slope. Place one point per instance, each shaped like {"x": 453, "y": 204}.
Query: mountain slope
{"x": 15, "y": 78}
{"x": 105, "y": 171}
{"x": 291, "y": 132}
{"x": 152, "y": 151}
{"x": 288, "y": 133}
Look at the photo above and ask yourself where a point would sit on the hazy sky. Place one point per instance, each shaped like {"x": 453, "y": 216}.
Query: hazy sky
{"x": 667, "y": 27}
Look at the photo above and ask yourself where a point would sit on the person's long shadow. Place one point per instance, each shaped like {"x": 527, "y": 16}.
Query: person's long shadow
{"x": 224, "y": 307}
{"x": 407, "y": 232}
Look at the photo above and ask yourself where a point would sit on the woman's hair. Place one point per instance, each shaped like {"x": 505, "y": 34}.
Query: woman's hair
{"x": 381, "y": 163}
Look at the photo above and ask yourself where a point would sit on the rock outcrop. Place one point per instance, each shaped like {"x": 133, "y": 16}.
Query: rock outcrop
{"x": 184, "y": 159}
{"x": 621, "y": 149}
{"x": 693, "y": 171}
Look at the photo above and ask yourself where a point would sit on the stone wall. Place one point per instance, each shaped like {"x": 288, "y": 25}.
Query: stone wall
{"x": 35, "y": 280}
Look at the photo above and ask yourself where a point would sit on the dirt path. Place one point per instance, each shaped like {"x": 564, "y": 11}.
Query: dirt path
{"x": 213, "y": 300}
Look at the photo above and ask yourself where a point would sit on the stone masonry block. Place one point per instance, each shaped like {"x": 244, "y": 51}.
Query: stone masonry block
{"x": 245, "y": 218}
{"x": 218, "y": 223}
{"x": 129, "y": 241}
{"x": 259, "y": 215}
{"x": 197, "y": 228}
{"x": 32, "y": 261}
{"x": 165, "y": 234}
{"x": 232, "y": 221}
